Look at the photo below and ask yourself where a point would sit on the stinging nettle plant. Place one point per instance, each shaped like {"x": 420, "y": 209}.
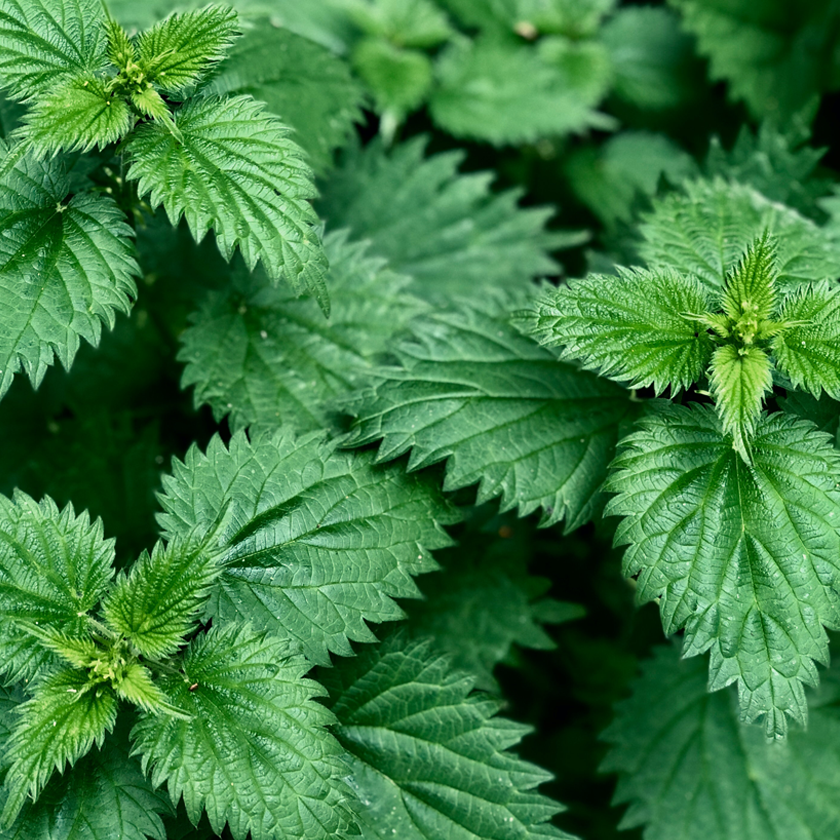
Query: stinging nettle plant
{"x": 182, "y": 681}
{"x": 401, "y": 449}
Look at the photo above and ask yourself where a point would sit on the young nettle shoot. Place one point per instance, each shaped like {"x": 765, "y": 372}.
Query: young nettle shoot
{"x": 656, "y": 327}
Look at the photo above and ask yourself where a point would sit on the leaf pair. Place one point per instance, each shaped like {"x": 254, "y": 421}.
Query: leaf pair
{"x": 654, "y": 328}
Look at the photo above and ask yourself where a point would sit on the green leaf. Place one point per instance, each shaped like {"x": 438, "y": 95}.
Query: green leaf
{"x": 178, "y": 51}
{"x": 691, "y": 772}
{"x": 744, "y": 557}
{"x": 496, "y": 91}
{"x": 740, "y": 378}
{"x": 41, "y": 49}
{"x": 486, "y": 14}
{"x": 634, "y": 327}
{"x": 503, "y": 412}
{"x": 614, "y": 178}
{"x": 446, "y": 230}
{"x": 236, "y": 172}
{"x": 575, "y": 19}
{"x": 65, "y": 268}
{"x": 256, "y": 753}
{"x": 777, "y": 163}
{"x": 775, "y": 56}
{"x": 54, "y": 568}
{"x": 399, "y": 79}
{"x": 106, "y": 796}
{"x": 311, "y": 89}
{"x": 808, "y": 351}
{"x": 418, "y": 24}
{"x": 484, "y": 602}
{"x": 157, "y": 603}
{"x": 750, "y": 287}
{"x": 315, "y": 543}
{"x": 653, "y": 62}
{"x": 135, "y": 685}
{"x": 428, "y": 758}
{"x": 77, "y": 116}
{"x": 59, "y": 724}
{"x": 706, "y": 229}
{"x": 259, "y": 355}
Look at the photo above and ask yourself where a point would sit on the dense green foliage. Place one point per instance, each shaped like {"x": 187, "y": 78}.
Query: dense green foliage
{"x": 424, "y": 364}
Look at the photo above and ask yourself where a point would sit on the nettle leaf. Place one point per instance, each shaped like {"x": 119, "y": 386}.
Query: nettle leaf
{"x": 614, "y": 177}
{"x": 486, "y": 14}
{"x": 399, "y": 79}
{"x": 311, "y": 89}
{"x": 410, "y": 23}
{"x": 157, "y": 602}
{"x": 236, "y": 172}
{"x": 106, "y": 796}
{"x": 178, "y": 51}
{"x": 258, "y": 354}
{"x": 77, "y": 116}
{"x": 751, "y": 286}
{"x": 255, "y": 753}
{"x": 705, "y": 230}
{"x": 808, "y": 352}
{"x": 690, "y": 771}
{"x": 740, "y": 378}
{"x": 484, "y": 603}
{"x": 428, "y": 758}
{"x": 314, "y": 543}
{"x": 774, "y": 56}
{"x": 65, "y": 268}
{"x": 497, "y": 91}
{"x": 779, "y": 164}
{"x": 42, "y": 46}
{"x": 503, "y": 412}
{"x": 636, "y": 327}
{"x": 446, "y": 230}
{"x": 54, "y": 568}
{"x": 59, "y": 724}
{"x": 744, "y": 557}
{"x": 653, "y": 61}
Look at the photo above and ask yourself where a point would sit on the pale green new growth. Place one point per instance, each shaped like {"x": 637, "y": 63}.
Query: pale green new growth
{"x": 58, "y": 725}
{"x": 808, "y": 352}
{"x": 77, "y": 116}
{"x": 40, "y": 50}
{"x": 258, "y": 354}
{"x": 745, "y": 557}
{"x": 633, "y": 328}
{"x": 654, "y": 328}
{"x": 156, "y": 604}
{"x": 740, "y": 378}
{"x": 54, "y": 568}
{"x": 238, "y": 172}
{"x": 706, "y": 229}
{"x": 749, "y": 297}
{"x": 690, "y": 771}
{"x": 175, "y": 53}
{"x": 255, "y": 753}
{"x": 65, "y": 268}
{"x": 314, "y": 543}
{"x": 428, "y": 756}
{"x": 503, "y": 413}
